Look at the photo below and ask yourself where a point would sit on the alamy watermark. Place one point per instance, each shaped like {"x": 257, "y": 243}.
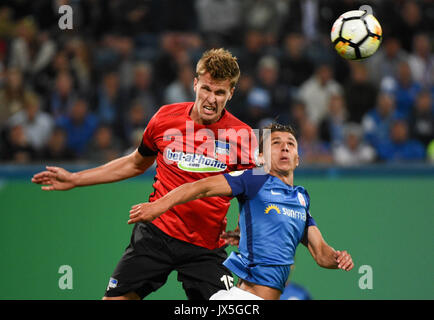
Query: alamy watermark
{"x": 66, "y": 280}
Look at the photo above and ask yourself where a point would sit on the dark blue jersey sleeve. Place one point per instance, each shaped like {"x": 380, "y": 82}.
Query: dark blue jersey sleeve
{"x": 246, "y": 184}
{"x": 309, "y": 219}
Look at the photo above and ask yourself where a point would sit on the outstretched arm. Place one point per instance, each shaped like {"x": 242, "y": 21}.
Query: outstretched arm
{"x": 207, "y": 187}
{"x": 56, "y": 178}
{"x": 324, "y": 255}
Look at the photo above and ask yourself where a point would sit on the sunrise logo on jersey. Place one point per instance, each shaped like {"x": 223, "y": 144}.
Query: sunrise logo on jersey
{"x": 195, "y": 162}
{"x": 286, "y": 212}
{"x": 272, "y": 207}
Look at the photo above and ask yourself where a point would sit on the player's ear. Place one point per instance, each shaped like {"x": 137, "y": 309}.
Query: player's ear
{"x": 195, "y": 83}
{"x": 297, "y": 160}
{"x": 231, "y": 93}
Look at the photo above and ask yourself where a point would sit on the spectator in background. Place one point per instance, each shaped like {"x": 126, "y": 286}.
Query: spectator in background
{"x": 403, "y": 87}
{"x": 109, "y": 99}
{"x": 316, "y": 92}
{"x": 172, "y": 54}
{"x": 219, "y": 19}
{"x": 295, "y": 65}
{"x": 265, "y": 16}
{"x": 421, "y": 61}
{"x": 297, "y": 116}
{"x": 278, "y": 93}
{"x": 376, "y": 123}
{"x": 63, "y": 95}
{"x": 311, "y": 149}
{"x": 80, "y": 63}
{"x": 79, "y": 125}
{"x": 258, "y": 106}
{"x": 141, "y": 90}
{"x": 137, "y": 119}
{"x": 37, "y": 125}
{"x": 104, "y": 146}
{"x": 353, "y": 151}
{"x": 360, "y": 94}
{"x": 12, "y": 95}
{"x": 182, "y": 88}
{"x": 384, "y": 63}
{"x": 238, "y": 103}
{"x": 422, "y": 118}
{"x": 17, "y": 148}
{"x": 409, "y": 23}
{"x": 56, "y": 148}
{"x": 400, "y": 147}
{"x": 31, "y": 50}
{"x": 331, "y": 128}
{"x": 252, "y": 51}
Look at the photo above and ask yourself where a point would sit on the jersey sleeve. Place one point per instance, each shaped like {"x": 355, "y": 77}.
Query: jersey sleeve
{"x": 245, "y": 184}
{"x": 310, "y": 221}
{"x": 147, "y": 146}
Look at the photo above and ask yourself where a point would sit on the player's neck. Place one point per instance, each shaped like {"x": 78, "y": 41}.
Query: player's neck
{"x": 286, "y": 177}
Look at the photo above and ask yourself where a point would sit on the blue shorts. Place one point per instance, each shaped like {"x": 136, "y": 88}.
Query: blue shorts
{"x": 270, "y": 276}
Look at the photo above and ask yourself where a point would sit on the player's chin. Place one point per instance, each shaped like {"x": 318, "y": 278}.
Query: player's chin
{"x": 210, "y": 117}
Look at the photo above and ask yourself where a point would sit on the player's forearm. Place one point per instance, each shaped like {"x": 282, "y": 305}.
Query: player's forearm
{"x": 326, "y": 258}
{"x": 116, "y": 170}
{"x": 182, "y": 194}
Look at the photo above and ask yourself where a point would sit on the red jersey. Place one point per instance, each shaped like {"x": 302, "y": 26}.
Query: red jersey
{"x": 186, "y": 152}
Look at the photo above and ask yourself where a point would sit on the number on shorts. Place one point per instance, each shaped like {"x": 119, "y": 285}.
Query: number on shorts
{"x": 228, "y": 281}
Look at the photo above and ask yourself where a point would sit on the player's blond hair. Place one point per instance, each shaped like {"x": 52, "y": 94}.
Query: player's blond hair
{"x": 220, "y": 64}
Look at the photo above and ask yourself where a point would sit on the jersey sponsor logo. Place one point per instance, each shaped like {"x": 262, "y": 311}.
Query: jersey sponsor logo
{"x": 301, "y": 199}
{"x": 195, "y": 162}
{"x": 286, "y": 212}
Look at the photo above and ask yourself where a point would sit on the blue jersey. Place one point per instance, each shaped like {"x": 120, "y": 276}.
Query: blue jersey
{"x": 273, "y": 219}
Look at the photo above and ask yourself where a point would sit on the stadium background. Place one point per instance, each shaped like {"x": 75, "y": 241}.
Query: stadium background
{"x": 124, "y": 59}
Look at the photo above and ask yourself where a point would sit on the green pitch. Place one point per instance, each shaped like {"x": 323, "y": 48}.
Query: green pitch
{"x": 386, "y": 224}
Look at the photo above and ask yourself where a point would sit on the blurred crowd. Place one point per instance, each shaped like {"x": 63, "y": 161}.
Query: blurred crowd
{"x": 86, "y": 94}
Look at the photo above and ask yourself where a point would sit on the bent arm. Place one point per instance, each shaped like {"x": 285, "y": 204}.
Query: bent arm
{"x": 207, "y": 187}
{"x": 323, "y": 254}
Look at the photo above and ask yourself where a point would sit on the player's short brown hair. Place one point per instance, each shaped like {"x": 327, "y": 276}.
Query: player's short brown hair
{"x": 273, "y": 127}
{"x": 220, "y": 64}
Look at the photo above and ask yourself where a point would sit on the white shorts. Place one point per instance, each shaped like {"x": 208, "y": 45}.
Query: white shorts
{"x": 234, "y": 293}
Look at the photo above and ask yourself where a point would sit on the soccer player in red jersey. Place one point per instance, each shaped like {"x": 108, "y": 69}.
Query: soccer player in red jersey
{"x": 189, "y": 141}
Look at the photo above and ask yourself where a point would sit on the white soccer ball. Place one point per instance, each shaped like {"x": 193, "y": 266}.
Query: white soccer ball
{"x": 356, "y": 35}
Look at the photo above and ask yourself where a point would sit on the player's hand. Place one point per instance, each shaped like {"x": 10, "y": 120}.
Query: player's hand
{"x": 344, "y": 260}
{"x": 54, "y": 178}
{"x": 145, "y": 212}
{"x": 231, "y": 237}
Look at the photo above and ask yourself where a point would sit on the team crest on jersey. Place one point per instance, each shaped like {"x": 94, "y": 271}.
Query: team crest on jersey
{"x": 301, "y": 199}
{"x": 222, "y": 148}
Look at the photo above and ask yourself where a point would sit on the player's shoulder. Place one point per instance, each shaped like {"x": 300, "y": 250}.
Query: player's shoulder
{"x": 255, "y": 175}
{"x": 302, "y": 190}
{"x": 173, "y": 110}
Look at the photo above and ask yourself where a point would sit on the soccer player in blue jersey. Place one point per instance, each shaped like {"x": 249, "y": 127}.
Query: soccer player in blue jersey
{"x": 274, "y": 219}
